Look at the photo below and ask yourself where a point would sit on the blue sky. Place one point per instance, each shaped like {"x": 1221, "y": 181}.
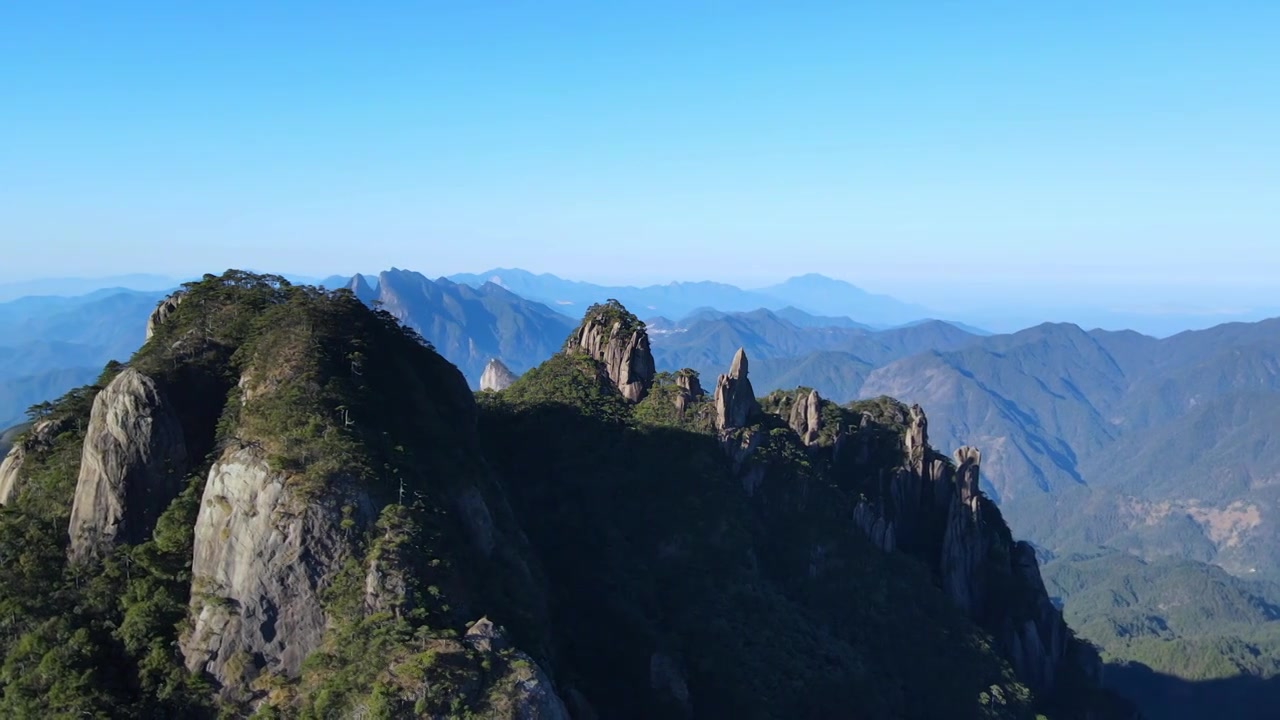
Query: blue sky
{"x": 1083, "y": 151}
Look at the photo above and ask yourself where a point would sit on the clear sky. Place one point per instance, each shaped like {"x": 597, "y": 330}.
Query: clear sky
{"x": 1034, "y": 148}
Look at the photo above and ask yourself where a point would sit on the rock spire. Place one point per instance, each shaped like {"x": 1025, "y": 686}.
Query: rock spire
{"x": 735, "y": 400}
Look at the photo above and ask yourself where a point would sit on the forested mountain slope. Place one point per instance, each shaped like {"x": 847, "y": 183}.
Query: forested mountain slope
{"x": 287, "y": 504}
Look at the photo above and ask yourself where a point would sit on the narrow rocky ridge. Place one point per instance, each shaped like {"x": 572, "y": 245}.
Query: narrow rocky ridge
{"x": 930, "y": 507}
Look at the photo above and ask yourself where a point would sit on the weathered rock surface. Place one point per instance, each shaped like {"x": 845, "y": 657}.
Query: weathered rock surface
{"x": 688, "y": 381}
{"x": 262, "y": 558}
{"x": 806, "y": 417}
{"x": 617, "y": 339}
{"x": 162, "y": 312}
{"x": 934, "y": 509}
{"x": 133, "y": 465}
{"x": 496, "y": 376}
{"x": 689, "y": 390}
{"x": 735, "y": 399}
{"x": 528, "y": 691}
{"x": 39, "y": 437}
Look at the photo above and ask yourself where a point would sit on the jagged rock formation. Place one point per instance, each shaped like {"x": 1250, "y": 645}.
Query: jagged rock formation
{"x": 735, "y": 400}
{"x": 688, "y": 380}
{"x": 162, "y": 312}
{"x": 262, "y": 557}
{"x": 806, "y": 418}
{"x": 38, "y": 438}
{"x": 688, "y": 391}
{"x": 933, "y": 508}
{"x": 618, "y": 340}
{"x": 930, "y": 506}
{"x": 496, "y": 376}
{"x": 133, "y": 465}
{"x": 530, "y": 692}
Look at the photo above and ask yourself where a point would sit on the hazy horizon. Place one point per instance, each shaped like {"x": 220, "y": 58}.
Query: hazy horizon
{"x": 1115, "y": 156}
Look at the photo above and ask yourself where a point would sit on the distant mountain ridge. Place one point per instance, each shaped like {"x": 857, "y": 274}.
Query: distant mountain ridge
{"x": 50, "y": 344}
{"x": 814, "y": 294}
{"x": 469, "y": 326}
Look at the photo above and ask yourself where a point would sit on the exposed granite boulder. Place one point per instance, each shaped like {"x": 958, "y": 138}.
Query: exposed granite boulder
{"x": 619, "y": 340}
{"x": 133, "y": 465}
{"x": 262, "y": 558}
{"x": 735, "y": 399}
{"x": 40, "y": 437}
{"x": 806, "y": 417}
{"x": 162, "y": 312}
{"x": 496, "y": 376}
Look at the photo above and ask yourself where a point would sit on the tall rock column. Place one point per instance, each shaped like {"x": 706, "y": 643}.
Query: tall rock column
{"x": 735, "y": 399}
{"x": 133, "y": 465}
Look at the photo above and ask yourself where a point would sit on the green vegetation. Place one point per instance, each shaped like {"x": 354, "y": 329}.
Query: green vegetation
{"x": 618, "y": 545}
{"x": 341, "y": 399}
{"x": 659, "y": 406}
{"x": 1185, "y": 620}
{"x": 615, "y": 318}
{"x": 683, "y": 563}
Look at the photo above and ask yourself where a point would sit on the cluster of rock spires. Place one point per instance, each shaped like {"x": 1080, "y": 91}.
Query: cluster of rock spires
{"x": 931, "y": 507}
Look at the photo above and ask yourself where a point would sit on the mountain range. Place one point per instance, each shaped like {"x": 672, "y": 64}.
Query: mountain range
{"x": 811, "y": 293}
{"x": 286, "y": 504}
{"x": 49, "y": 345}
{"x": 1102, "y": 448}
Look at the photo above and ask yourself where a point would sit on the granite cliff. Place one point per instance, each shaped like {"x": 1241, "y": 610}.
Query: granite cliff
{"x": 617, "y": 339}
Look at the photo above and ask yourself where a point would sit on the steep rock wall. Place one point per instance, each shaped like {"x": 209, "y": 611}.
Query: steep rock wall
{"x": 133, "y": 465}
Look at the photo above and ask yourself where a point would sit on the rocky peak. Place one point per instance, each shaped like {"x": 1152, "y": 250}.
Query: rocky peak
{"x": 496, "y": 376}
{"x": 162, "y": 312}
{"x": 38, "y": 438}
{"x": 688, "y": 381}
{"x": 133, "y": 465}
{"x": 735, "y": 399}
{"x": 363, "y": 291}
{"x": 688, "y": 390}
{"x": 806, "y": 417}
{"x": 618, "y": 339}
{"x": 934, "y": 509}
